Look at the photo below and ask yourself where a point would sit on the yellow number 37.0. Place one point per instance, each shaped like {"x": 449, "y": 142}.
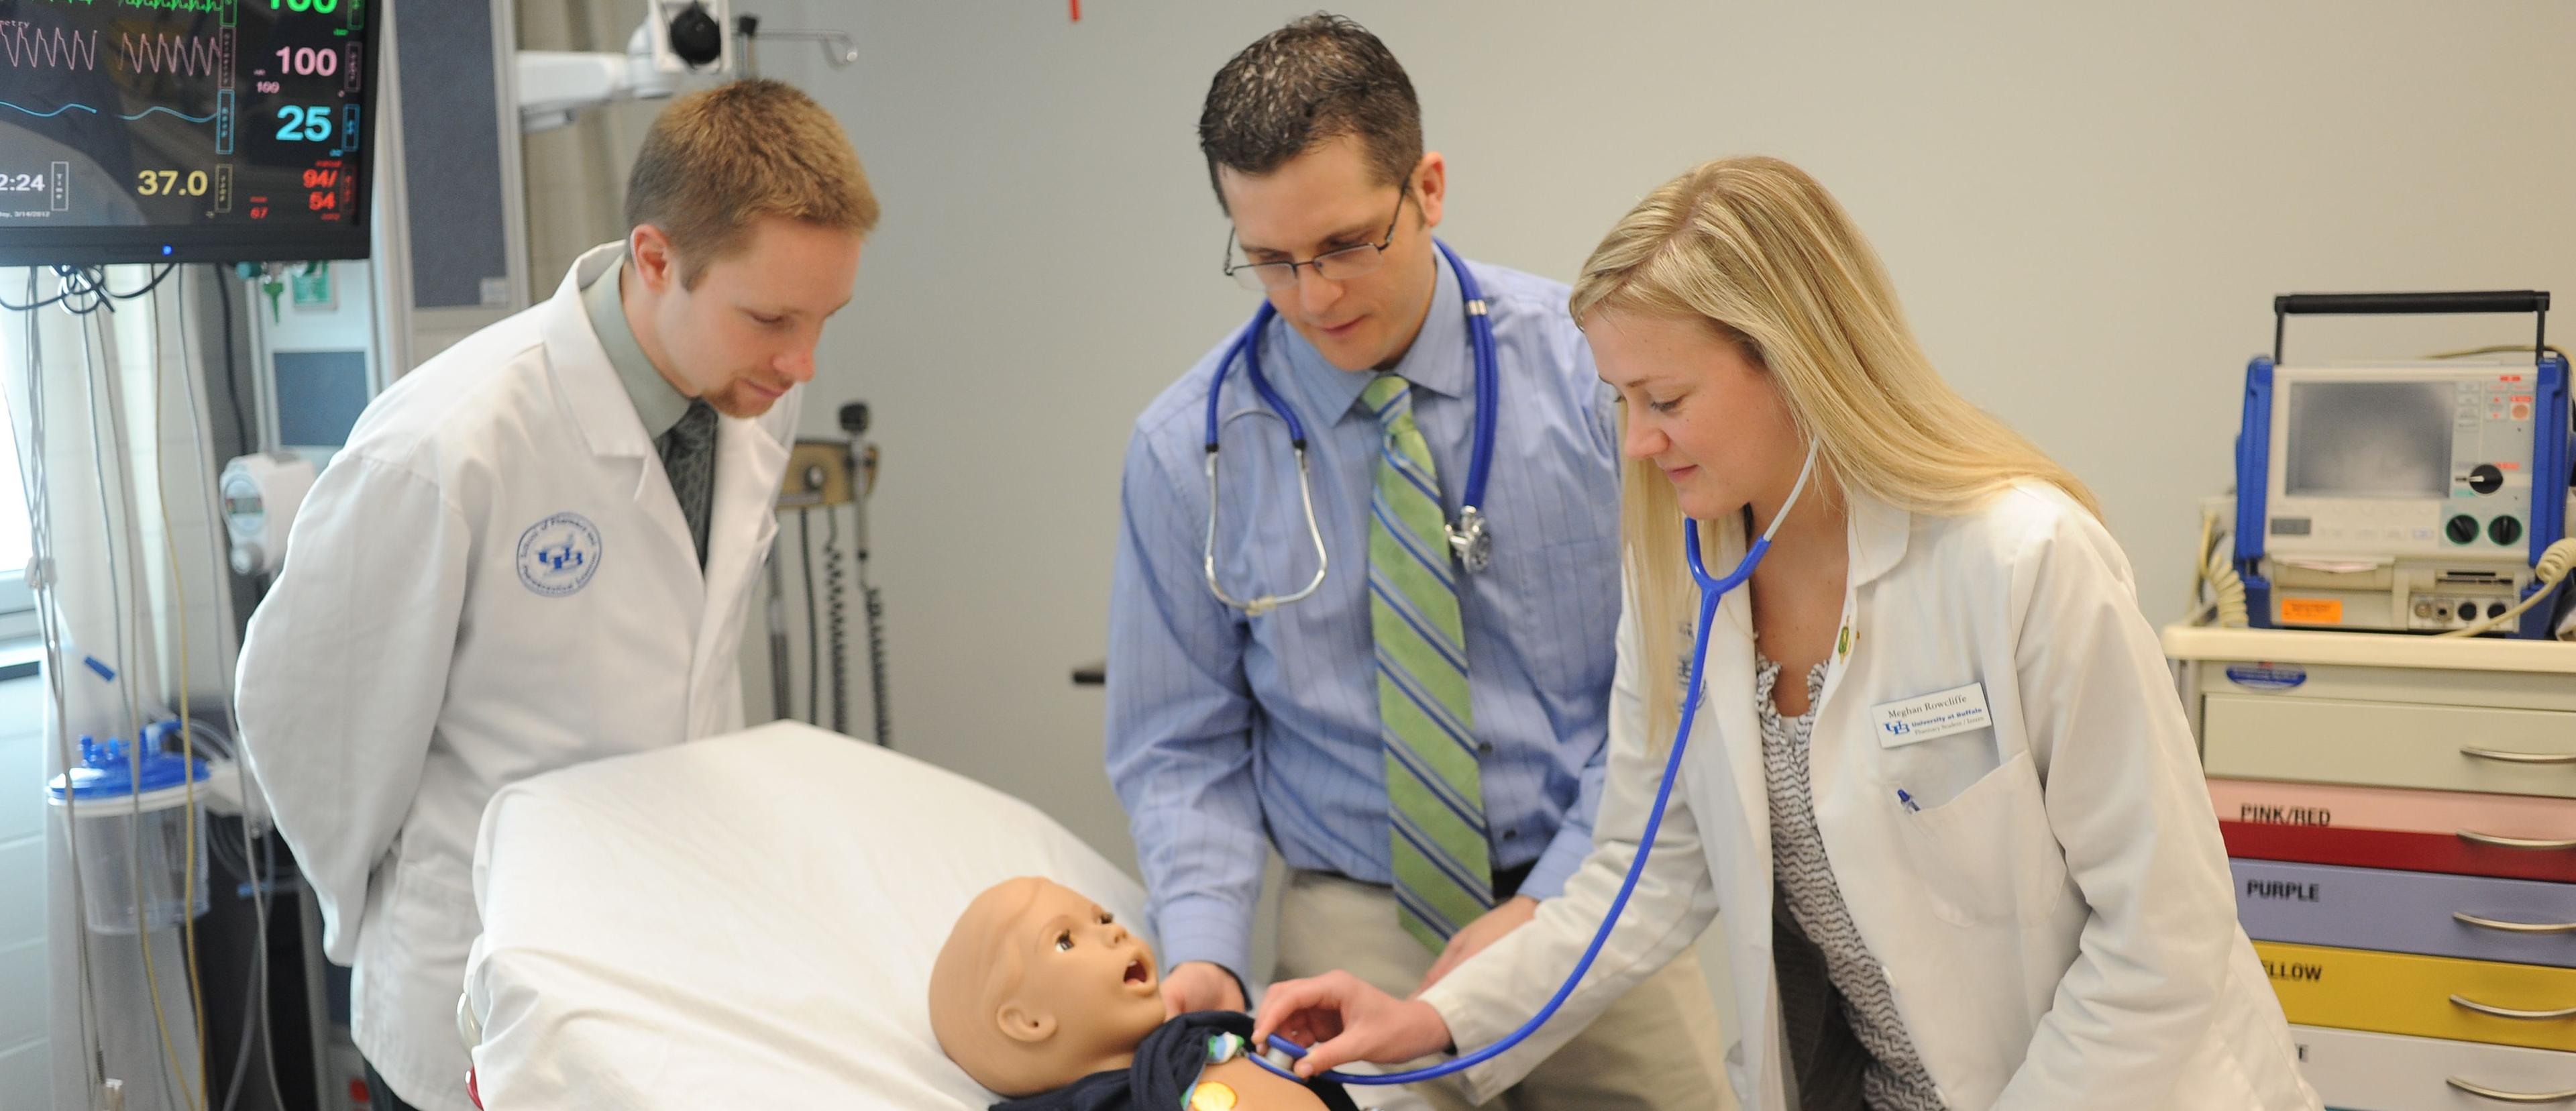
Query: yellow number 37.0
{"x": 153, "y": 183}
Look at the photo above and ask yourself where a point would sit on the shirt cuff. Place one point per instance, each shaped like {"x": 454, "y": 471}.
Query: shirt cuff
{"x": 1200, "y": 928}
{"x": 1563, "y": 858}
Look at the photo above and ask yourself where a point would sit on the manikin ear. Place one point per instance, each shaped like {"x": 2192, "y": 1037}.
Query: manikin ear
{"x": 1021, "y": 1023}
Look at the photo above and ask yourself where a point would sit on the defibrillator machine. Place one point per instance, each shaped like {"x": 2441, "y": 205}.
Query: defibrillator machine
{"x": 2405, "y": 497}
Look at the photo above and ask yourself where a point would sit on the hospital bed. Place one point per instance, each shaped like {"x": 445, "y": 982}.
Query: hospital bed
{"x": 746, "y": 921}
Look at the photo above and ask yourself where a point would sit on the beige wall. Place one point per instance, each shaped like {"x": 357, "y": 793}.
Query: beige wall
{"x": 577, "y": 174}
{"x": 2087, "y": 208}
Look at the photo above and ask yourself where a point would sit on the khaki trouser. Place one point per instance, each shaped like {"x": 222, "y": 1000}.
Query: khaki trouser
{"x": 1656, "y": 1050}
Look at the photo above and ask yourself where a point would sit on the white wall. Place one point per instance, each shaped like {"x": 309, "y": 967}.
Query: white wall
{"x": 23, "y": 974}
{"x": 2087, "y": 208}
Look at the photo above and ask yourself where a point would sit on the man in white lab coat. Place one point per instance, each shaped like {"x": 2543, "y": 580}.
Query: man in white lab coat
{"x": 538, "y": 547}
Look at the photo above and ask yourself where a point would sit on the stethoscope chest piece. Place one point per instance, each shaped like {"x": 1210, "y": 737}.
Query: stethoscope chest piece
{"x": 1472, "y": 540}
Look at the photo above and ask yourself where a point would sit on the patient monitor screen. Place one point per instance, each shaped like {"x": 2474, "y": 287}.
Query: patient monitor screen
{"x": 2369, "y": 440}
{"x": 184, "y": 130}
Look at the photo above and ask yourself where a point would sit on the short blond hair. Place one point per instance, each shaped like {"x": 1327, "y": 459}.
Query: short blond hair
{"x": 718, "y": 161}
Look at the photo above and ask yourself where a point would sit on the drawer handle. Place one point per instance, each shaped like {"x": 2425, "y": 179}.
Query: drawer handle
{"x": 2508, "y": 1012}
{"x": 2474, "y": 837}
{"x": 2466, "y": 918}
{"x": 2501, "y": 1096}
{"x": 2501, "y": 756}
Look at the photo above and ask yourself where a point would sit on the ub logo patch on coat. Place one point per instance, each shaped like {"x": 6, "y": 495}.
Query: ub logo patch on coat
{"x": 558, "y": 555}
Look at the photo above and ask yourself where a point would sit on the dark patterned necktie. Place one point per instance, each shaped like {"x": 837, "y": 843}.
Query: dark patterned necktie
{"x": 689, "y": 458}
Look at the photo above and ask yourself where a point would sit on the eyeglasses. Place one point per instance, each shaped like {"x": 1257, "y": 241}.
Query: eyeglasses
{"x": 1332, "y": 266}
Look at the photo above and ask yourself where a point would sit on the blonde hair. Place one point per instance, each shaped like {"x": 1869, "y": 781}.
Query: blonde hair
{"x": 1761, "y": 252}
{"x": 716, "y": 162}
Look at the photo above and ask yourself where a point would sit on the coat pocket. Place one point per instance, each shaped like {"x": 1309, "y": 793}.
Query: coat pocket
{"x": 1987, "y": 856}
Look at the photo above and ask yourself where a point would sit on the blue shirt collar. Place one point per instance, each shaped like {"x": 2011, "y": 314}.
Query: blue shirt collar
{"x": 1438, "y": 360}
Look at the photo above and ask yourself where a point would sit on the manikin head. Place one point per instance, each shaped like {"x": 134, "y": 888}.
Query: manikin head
{"x": 1038, "y": 987}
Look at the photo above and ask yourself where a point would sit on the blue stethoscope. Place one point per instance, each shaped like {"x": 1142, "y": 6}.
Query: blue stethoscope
{"x": 1470, "y": 538}
{"x": 1711, "y": 591}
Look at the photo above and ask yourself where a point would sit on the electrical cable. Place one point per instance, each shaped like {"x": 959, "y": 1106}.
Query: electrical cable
{"x": 167, "y": 269}
{"x": 2193, "y": 607}
{"x": 191, "y": 816}
{"x": 232, "y": 373}
{"x": 863, "y": 484}
{"x": 2547, "y": 573}
{"x": 2495, "y": 349}
{"x": 100, "y": 443}
{"x": 33, "y": 305}
{"x": 244, "y": 867}
{"x": 836, "y": 603}
{"x": 49, "y": 621}
{"x": 2226, "y": 604}
{"x": 877, "y": 707}
{"x": 2227, "y": 590}
{"x": 186, "y": 648}
{"x": 813, "y": 651}
{"x": 91, "y": 282}
{"x": 257, "y": 994}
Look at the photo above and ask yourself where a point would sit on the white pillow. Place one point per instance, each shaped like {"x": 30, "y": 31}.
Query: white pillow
{"x": 747, "y": 921}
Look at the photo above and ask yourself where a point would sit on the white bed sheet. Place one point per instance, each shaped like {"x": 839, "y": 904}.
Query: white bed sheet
{"x": 746, "y": 921}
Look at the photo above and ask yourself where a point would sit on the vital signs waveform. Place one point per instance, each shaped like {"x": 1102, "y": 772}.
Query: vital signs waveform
{"x": 94, "y": 111}
{"x": 183, "y": 54}
{"x": 29, "y": 47}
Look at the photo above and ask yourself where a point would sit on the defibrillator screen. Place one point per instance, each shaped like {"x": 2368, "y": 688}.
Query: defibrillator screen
{"x": 2369, "y": 440}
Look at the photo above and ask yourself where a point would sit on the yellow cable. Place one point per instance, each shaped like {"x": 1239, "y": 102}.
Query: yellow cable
{"x": 188, "y": 735}
{"x": 2200, "y": 564}
{"x": 2494, "y": 349}
{"x": 134, "y": 725}
{"x": 2552, "y": 569}
{"x": 2226, "y": 605}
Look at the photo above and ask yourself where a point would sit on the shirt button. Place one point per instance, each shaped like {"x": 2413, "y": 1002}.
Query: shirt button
{"x": 1484, "y": 748}
{"x": 1510, "y": 833}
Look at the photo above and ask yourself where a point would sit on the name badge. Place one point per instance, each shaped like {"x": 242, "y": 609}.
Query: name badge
{"x": 1921, "y": 718}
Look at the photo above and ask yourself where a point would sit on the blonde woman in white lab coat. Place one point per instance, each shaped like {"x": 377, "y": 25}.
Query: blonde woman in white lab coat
{"x": 2019, "y": 901}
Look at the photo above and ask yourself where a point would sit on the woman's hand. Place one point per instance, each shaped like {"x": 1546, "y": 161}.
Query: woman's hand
{"x": 1342, "y": 1020}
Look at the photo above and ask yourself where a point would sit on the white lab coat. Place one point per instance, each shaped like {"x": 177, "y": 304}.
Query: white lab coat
{"x": 2057, "y": 920}
{"x": 492, "y": 580}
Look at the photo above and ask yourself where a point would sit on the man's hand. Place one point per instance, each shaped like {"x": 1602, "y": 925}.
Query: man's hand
{"x": 1342, "y": 1020}
{"x": 1200, "y": 986}
{"x": 1487, "y": 929}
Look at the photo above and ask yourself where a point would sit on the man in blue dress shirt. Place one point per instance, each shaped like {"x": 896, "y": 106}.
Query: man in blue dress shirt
{"x": 1422, "y": 741}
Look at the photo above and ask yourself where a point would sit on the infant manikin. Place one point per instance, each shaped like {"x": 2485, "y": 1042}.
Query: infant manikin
{"x": 1042, "y": 997}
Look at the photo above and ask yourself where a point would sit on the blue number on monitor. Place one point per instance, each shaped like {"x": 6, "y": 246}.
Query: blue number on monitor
{"x": 308, "y": 123}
